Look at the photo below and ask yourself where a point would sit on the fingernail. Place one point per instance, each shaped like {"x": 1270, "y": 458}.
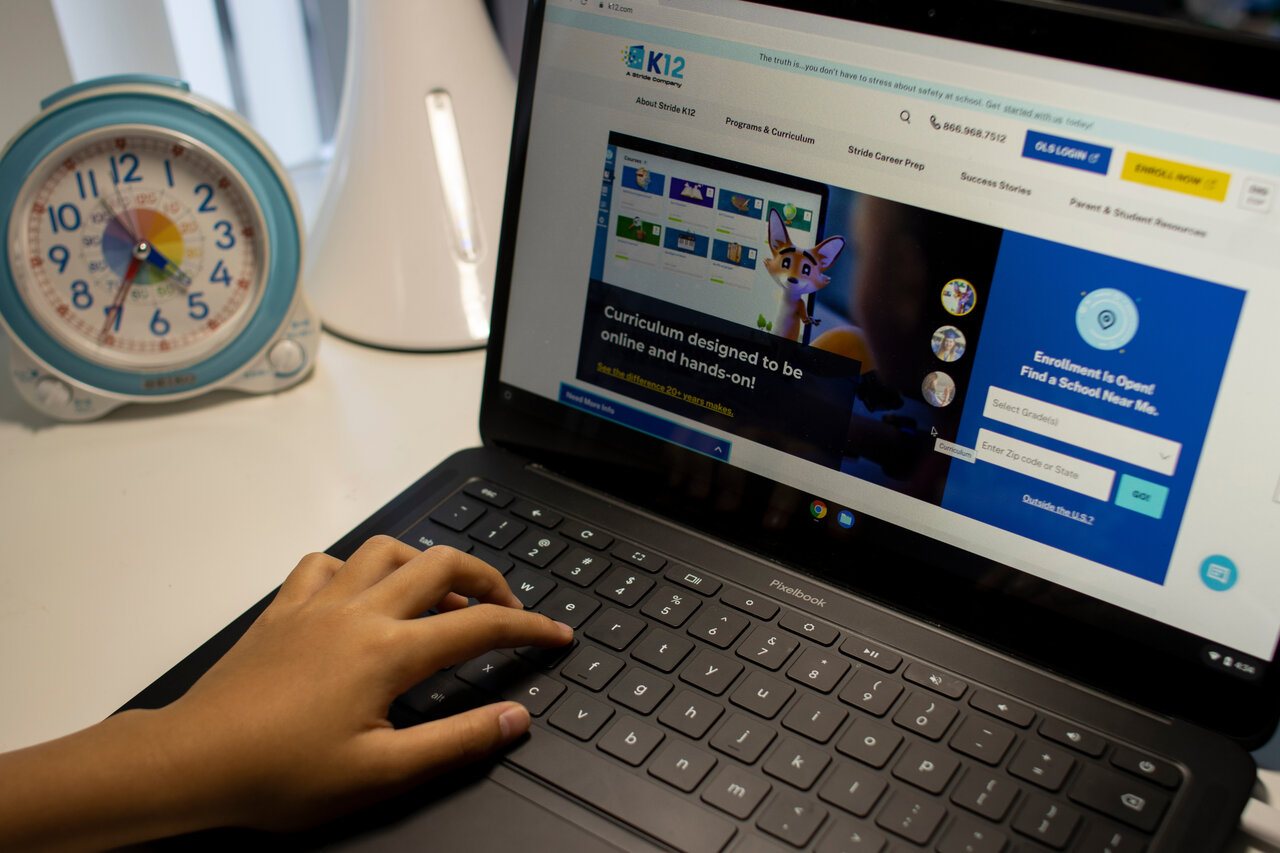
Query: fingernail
{"x": 513, "y": 722}
{"x": 566, "y": 630}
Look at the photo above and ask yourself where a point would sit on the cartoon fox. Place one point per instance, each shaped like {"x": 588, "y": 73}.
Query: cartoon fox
{"x": 799, "y": 272}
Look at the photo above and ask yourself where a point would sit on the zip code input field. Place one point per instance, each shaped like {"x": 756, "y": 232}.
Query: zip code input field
{"x": 1047, "y": 465}
{"x": 1084, "y": 431}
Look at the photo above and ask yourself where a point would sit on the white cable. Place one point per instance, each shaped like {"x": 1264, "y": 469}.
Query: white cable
{"x": 1262, "y": 822}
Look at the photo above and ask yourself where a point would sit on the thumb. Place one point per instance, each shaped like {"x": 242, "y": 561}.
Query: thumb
{"x": 433, "y": 748}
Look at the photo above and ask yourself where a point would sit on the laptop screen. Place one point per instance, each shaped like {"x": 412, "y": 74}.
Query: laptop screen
{"x": 1017, "y": 307}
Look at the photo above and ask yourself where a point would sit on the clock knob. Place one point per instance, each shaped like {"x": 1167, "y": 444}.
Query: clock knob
{"x": 286, "y": 357}
{"x": 53, "y": 392}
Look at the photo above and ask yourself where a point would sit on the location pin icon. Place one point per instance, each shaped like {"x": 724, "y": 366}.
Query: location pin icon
{"x": 1106, "y": 319}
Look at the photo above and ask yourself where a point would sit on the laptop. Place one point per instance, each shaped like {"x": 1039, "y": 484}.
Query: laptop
{"x": 884, "y": 392}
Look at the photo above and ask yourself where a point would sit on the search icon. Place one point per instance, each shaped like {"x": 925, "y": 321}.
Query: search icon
{"x": 905, "y": 115}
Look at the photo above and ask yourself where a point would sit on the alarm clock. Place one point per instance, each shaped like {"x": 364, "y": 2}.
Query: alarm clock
{"x": 153, "y": 252}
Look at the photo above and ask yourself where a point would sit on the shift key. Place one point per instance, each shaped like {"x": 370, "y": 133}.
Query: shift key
{"x": 653, "y": 811}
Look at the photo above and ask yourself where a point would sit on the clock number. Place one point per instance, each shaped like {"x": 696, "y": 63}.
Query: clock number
{"x": 159, "y": 325}
{"x": 205, "y": 206}
{"x": 225, "y": 227}
{"x": 118, "y": 310}
{"x": 80, "y": 295}
{"x": 59, "y": 255}
{"x": 198, "y": 308}
{"x": 220, "y": 275}
{"x": 131, "y": 176}
{"x": 92, "y": 184}
{"x": 64, "y": 216}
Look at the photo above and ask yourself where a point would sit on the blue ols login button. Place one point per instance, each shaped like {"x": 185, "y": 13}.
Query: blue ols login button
{"x": 1067, "y": 152}
{"x": 1138, "y": 495}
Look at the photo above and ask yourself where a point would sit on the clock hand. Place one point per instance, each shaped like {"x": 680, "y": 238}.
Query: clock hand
{"x": 166, "y": 266}
{"x": 118, "y": 218}
{"x": 116, "y": 308}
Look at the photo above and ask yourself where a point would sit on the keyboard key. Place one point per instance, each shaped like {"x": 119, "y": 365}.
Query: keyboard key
{"x": 653, "y": 809}
{"x": 1046, "y": 821}
{"x": 631, "y": 741}
{"x": 1120, "y": 796}
{"x": 935, "y": 679}
{"x": 761, "y": 694}
{"x": 662, "y": 650}
{"x": 580, "y": 716}
{"x": 969, "y": 836}
{"x": 911, "y": 815}
{"x": 492, "y": 671}
{"x": 986, "y": 741}
{"x": 768, "y": 647}
{"x": 536, "y": 513}
{"x": 671, "y": 606}
{"x": 690, "y": 714}
{"x": 870, "y": 743}
{"x": 534, "y": 691}
{"x": 1100, "y": 838}
{"x": 1004, "y": 708}
{"x": 924, "y": 714}
{"x": 711, "y": 672}
{"x": 807, "y": 626}
{"x": 748, "y": 602}
{"x": 718, "y": 625}
{"x": 458, "y": 512}
{"x": 580, "y": 566}
{"x": 537, "y": 548}
{"x": 428, "y": 534}
{"x": 874, "y": 654}
{"x": 871, "y": 691}
{"x": 638, "y": 556}
{"x": 488, "y": 493}
{"x": 584, "y": 535}
{"x": 639, "y": 690}
{"x": 592, "y": 668}
{"x": 570, "y": 607}
{"x": 691, "y": 579}
{"x": 743, "y": 737}
{"x": 493, "y": 558}
{"x": 736, "y": 791}
{"x": 792, "y": 818}
{"x": 615, "y": 629}
{"x": 816, "y": 719}
{"x": 1073, "y": 736}
{"x": 681, "y": 765}
{"x": 528, "y": 586}
{"x": 442, "y": 695}
{"x": 819, "y": 669}
{"x": 546, "y": 658}
{"x": 624, "y": 586}
{"x": 797, "y": 762}
{"x": 853, "y": 788}
{"x": 1146, "y": 767}
{"x": 496, "y": 531}
{"x": 985, "y": 794}
{"x": 1046, "y": 766}
{"x": 847, "y": 836}
{"x": 927, "y": 768}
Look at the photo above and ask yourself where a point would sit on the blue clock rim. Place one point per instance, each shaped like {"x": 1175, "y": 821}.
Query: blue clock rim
{"x": 170, "y": 110}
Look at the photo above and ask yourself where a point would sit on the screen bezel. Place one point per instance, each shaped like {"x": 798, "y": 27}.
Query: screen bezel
{"x": 1130, "y": 656}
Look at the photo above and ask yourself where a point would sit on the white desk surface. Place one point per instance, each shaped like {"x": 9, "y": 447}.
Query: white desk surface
{"x": 127, "y": 542}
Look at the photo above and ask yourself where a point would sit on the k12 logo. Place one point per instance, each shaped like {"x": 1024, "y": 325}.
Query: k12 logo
{"x": 653, "y": 62}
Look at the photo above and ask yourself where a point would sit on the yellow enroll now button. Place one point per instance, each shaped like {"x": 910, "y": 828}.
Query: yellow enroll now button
{"x": 1178, "y": 177}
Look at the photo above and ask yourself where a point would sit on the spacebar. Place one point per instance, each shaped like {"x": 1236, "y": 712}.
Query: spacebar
{"x": 609, "y": 787}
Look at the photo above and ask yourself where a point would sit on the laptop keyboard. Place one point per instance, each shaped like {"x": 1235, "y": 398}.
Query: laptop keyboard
{"x": 701, "y": 713}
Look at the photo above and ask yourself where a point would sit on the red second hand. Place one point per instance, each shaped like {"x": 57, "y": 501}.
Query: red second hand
{"x": 117, "y": 304}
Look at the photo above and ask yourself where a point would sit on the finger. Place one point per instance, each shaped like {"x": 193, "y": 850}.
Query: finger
{"x": 452, "y": 601}
{"x": 378, "y": 557}
{"x": 307, "y": 578}
{"x": 460, "y": 635}
{"x": 426, "y": 750}
{"x": 424, "y": 581}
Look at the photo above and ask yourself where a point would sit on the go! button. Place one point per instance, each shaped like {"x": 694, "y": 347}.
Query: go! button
{"x": 1141, "y": 496}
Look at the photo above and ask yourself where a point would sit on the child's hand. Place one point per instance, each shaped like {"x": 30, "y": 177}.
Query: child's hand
{"x": 290, "y": 727}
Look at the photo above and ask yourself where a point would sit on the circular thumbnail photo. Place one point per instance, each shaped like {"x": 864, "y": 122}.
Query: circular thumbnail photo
{"x": 1107, "y": 318}
{"x": 938, "y": 389}
{"x": 958, "y": 297}
{"x": 948, "y": 343}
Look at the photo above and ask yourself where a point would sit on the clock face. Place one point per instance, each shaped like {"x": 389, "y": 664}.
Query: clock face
{"x": 138, "y": 248}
